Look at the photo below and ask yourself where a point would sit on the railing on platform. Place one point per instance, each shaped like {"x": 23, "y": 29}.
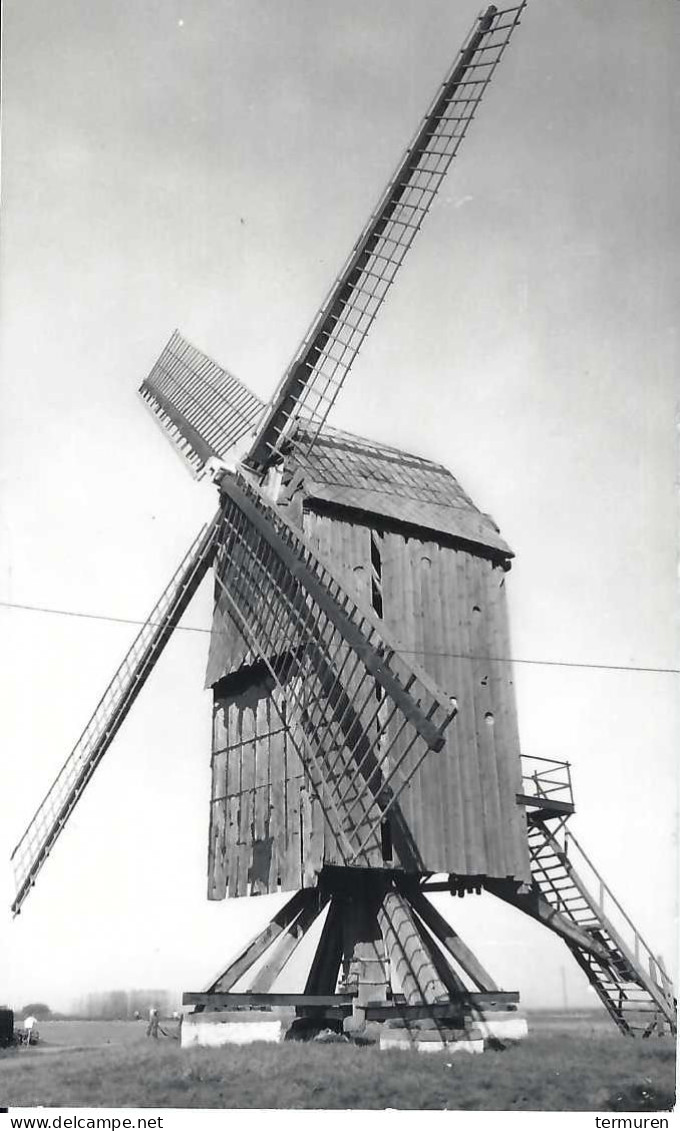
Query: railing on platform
{"x": 547, "y": 779}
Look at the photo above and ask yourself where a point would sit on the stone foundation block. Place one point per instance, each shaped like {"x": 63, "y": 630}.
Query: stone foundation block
{"x": 211, "y": 1030}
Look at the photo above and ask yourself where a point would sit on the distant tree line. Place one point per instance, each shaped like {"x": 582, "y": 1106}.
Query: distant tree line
{"x": 121, "y": 1005}
{"x": 37, "y": 1009}
{"x": 110, "y": 1005}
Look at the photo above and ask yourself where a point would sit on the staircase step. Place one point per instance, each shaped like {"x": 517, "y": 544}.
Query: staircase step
{"x": 621, "y": 984}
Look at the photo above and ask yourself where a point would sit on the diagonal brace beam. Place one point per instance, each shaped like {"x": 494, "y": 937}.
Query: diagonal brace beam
{"x": 453, "y": 943}
{"x": 536, "y": 905}
{"x": 254, "y": 949}
{"x": 288, "y": 943}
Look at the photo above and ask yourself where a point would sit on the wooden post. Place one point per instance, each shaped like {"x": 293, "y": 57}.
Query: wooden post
{"x": 364, "y": 951}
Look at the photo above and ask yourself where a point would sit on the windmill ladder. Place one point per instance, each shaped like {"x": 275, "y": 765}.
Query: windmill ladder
{"x": 631, "y": 983}
{"x": 49, "y": 819}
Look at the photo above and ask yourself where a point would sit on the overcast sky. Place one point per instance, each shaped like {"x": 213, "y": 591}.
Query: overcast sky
{"x": 207, "y": 165}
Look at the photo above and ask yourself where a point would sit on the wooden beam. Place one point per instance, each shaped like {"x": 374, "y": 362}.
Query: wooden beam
{"x": 448, "y": 975}
{"x": 537, "y": 906}
{"x": 486, "y": 998}
{"x": 226, "y": 1000}
{"x": 287, "y": 943}
{"x": 257, "y": 945}
{"x": 441, "y": 1009}
{"x": 453, "y": 943}
{"x": 323, "y": 973}
{"x": 343, "y": 1001}
{"x": 545, "y": 803}
{"x": 415, "y": 970}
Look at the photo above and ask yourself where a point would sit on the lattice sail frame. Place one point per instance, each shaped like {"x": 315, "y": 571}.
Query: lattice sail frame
{"x": 361, "y": 718}
{"x": 61, "y": 798}
{"x": 203, "y": 409}
{"x": 313, "y": 380}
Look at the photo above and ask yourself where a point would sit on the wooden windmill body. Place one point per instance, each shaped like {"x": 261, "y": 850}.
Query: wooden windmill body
{"x": 365, "y": 735}
{"x": 409, "y": 543}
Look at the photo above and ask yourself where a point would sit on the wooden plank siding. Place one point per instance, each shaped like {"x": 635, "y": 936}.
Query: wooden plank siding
{"x": 445, "y": 601}
{"x": 462, "y": 808}
{"x": 347, "y": 545}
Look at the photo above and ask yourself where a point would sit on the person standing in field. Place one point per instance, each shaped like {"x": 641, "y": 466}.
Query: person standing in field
{"x": 152, "y": 1027}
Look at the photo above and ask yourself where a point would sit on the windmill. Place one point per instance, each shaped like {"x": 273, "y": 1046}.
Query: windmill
{"x": 344, "y": 770}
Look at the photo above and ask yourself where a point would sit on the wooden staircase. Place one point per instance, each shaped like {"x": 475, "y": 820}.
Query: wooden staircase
{"x": 629, "y": 980}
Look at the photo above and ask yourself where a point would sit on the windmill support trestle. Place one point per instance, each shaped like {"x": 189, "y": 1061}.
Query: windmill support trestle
{"x": 387, "y": 969}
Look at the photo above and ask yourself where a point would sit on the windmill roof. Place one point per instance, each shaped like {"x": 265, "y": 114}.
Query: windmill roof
{"x": 349, "y": 471}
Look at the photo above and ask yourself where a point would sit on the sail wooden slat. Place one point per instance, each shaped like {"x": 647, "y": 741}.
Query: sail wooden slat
{"x": 203, "y": 409}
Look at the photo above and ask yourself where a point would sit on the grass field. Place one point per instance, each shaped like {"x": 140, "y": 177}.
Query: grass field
{"x": 572, "y": 1063}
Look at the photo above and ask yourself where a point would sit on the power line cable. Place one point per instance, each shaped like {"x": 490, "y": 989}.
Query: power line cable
{"x": 401, "y": 651}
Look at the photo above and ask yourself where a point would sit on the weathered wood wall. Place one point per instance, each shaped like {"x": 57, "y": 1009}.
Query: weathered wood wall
{"x": 447, "y": 605}
{"x": 265, "y": 828}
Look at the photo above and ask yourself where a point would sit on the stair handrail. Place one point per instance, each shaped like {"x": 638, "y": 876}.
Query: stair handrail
{"x": 661, "y": 979}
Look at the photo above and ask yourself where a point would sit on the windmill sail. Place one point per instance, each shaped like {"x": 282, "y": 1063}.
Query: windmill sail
{"x": 361, "y": 718}
{"x": 49, "y": 819}
{"x": 201, "y": 408}
{"x": 316, "y": 374}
